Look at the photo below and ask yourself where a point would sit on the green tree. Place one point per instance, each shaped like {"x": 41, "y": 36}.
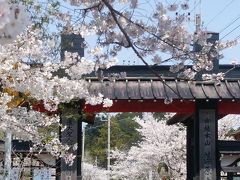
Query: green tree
{"x": 123, "y": 136}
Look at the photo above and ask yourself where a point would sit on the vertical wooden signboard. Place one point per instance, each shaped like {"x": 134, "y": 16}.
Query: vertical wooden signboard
{"x": 207, "y": 144}
{"x": 69, "y": 137}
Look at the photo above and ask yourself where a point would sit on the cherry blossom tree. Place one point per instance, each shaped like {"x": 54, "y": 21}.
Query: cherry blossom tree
{"x": 29, "y": 75}
{"x": 24, "y": 83}
{"x": 30, "y": 65}
{"x": 91, "y": 172}
{"x": 14, "y": 20}
{"x": 226, "y": 125}
{"x": 114, "y": 24}
{"x": 161, "y": 144}
{"x": 148, "y": 29}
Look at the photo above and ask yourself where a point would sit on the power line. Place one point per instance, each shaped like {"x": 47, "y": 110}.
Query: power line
{"x": 170, "y": 3}
{"x": 238, "y": 37}
{"x": 195, "y": 6}
{"x": 103, "y": 124}
{"x": 230, "y": 31}
{"x": 220, "y": 12}
{"x": 238, "y": 17}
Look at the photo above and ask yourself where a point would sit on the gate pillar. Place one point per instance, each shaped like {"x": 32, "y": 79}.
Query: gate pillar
{"x": 73, "y": 133}
{"x": 190, "y": 147}
{"x": 205, "y": 141}
{"x": 70, "y": 136}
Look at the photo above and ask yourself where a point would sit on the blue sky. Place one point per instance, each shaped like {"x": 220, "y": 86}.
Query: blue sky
{"x": 216, "y": 15}
{"x": 221, "y": 16}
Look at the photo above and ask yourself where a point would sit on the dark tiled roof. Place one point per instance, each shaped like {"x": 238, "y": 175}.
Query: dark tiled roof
{"x": 141, "y": 83}
{"x": 135, "y": 88}
{"x": 163, "y": 70}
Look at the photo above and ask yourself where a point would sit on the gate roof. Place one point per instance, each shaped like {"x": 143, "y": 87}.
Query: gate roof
{"x": 141, "y": 84}
{"x": 141, "y": 89}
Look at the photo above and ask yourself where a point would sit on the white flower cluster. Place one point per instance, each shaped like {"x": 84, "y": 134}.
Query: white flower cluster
{"x": 27, "y": 71}
{"x": 107, "y": 103}
{"x": 187, "y": 74}
{"x": 29, "y": 125}
{"x": 117, "y": 25}
{"x": 213, "y": 77}
{"x": 51, "y": 82}
{"x": 227, "y": 44}
{"x": 96, "y": 100}
{"x": 93, "y": 172}
{"x": 226, "y": 125}
{"x": 13, "y": 20}
{"x": 69, "y": 158}
{"x": 76, "y": 66}
{"x": 161, "y": 143}
{"x": 56, "y": 148}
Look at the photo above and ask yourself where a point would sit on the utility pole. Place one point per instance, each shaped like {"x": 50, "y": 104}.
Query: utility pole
{"x": 198, "y": 18}
{"x": 198, "y": 22}
{"x": 108, "y": 118}
{"x": 83, "y": 148}
{"x": 108, "y": 150}
{"x": 150, "y": 177}
{"x": 8, "y": 154}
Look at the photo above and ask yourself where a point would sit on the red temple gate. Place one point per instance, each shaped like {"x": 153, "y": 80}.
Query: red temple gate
{"x": 198, "y": 104}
